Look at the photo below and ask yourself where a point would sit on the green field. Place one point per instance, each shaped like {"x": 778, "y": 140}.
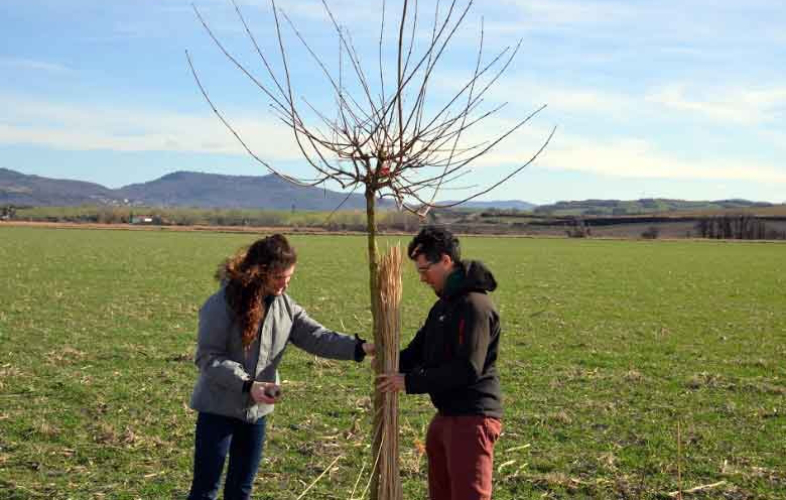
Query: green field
{"x": 607, "y": 347}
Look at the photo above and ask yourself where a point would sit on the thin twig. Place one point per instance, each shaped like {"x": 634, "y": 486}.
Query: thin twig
{"x": 320, "y": 476}
{"x": 679, "y": 461}
{"x": 237, "y": 135}
{"x": 697, "y": 489}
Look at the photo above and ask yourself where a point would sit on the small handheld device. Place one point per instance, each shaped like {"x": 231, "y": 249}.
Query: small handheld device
{"x": 273, "y": 391}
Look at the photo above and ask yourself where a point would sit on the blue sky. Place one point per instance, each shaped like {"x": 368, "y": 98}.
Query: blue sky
{"x": 681, "y": 99}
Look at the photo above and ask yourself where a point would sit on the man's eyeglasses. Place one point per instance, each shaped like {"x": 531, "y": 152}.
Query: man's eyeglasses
{"x": 424, "y": 269}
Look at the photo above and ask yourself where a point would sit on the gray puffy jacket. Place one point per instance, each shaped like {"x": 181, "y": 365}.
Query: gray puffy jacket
{"x": 220, "y": 355}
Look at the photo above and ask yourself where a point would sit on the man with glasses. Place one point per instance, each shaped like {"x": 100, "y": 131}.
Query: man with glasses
{"x": 453, "y": 359}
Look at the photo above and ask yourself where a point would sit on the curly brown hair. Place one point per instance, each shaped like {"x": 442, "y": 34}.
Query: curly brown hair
{"x": 244, "y": 276}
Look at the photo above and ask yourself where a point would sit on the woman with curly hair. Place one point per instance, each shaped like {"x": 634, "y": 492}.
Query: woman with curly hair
{"x": 244, "y": 329}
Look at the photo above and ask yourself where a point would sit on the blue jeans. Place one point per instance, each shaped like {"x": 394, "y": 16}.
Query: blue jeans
{"x": 215, "y": 436}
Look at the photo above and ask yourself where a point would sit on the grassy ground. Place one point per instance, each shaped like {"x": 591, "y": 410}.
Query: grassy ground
{"x": 607, "y": 347}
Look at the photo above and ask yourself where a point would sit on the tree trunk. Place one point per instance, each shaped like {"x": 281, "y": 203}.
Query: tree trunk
{"x": 371, "y": 231}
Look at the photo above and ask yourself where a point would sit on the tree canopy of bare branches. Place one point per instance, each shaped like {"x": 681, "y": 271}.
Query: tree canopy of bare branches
{"x": 379, "y": 134}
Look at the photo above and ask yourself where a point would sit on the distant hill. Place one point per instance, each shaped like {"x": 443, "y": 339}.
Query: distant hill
{"x": 502, "y": 205}
{"x": 269, "y": 192}
{"x": 642, "y": 206}
{"x": 194, "y": 189}
{"x": 178, "y": 189}
{"x": 21, "y": 189}
{"x": 191, "y": 189}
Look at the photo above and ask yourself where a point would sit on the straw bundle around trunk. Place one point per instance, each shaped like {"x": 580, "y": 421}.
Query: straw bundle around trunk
{"x": 389, "y": 315}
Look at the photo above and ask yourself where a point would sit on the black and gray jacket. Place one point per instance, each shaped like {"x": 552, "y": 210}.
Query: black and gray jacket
{"x": 453, "y": 356}
{"x": 222, "y": 361}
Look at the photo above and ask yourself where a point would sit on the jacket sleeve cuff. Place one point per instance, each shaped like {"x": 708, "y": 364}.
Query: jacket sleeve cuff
{"x": 414, "y": 383}
{"x": 360, "y": 354}
{"x": 247, "y": 386}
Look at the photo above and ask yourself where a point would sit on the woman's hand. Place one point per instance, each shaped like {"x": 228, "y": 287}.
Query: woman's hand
{"x": 369, "y": 348}
{"x": 265, "y": 392}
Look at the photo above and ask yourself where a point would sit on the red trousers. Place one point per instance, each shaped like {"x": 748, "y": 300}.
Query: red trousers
{"x": 461, "y": 457}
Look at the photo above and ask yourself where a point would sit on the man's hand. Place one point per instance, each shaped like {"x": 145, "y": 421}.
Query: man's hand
{"x": 262, "y": 392}
{"x": 369, "y": 348}
{"x": 391, "y": 382}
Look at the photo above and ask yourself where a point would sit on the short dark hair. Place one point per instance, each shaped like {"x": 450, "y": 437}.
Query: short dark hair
{"x": 434, "y": 242}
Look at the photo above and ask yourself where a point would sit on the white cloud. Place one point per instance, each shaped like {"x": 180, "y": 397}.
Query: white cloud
{"x": 777, "y": 138}
{"x": 626, "y": 158}
{"x": 677, "y": 103}
{"x": 359, "y": 15}
{"x": 32, "y": 64}
{"x": 558, "y": 13}
{"x": 94, "y": 127}
{"x": 529, "y": 93}
{"x": 566, "y": 99}
{"x": 641, "y": 159}
{"x": 734, "y": 106}
{"x": 715, "y": 25}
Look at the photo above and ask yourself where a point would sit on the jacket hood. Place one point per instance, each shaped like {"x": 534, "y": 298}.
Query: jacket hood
{"x": 471, "y": 276}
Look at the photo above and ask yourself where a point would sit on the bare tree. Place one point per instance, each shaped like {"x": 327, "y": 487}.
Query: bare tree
{"x": 379, "y": 134}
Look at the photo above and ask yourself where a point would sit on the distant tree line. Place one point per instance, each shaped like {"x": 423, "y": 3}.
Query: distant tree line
{"x": 737, "y": 227}
{"x": 351, "y": 220}
{"x": 7, "y": 212}
{"x": 578, "y": 229}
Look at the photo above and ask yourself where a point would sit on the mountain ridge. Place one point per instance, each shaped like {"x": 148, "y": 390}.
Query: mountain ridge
{"x": 176, "y": 189}
{"x": 183, "y": 188}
